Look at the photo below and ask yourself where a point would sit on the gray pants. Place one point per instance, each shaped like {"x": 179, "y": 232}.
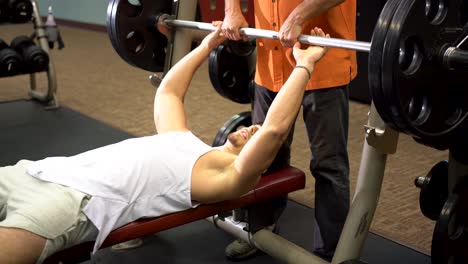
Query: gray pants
{"x": 326, "y": 117}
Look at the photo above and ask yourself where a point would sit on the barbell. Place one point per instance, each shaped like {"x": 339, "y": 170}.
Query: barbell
{"x": 417, "y": 58}
{"x": 270, "y": 34}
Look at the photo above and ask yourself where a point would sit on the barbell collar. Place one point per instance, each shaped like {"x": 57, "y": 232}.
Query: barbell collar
{"x": 456, "y": 59}
{"x": 270, "y": 34}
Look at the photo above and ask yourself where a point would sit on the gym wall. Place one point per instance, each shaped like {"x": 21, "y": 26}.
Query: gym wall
{"x": 85, "y": 11}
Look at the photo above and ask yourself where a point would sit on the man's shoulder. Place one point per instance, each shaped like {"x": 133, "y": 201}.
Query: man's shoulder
{"x": 215, "y": 161}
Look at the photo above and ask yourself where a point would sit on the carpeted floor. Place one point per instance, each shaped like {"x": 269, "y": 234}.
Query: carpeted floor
{"x": 94, "y": 81}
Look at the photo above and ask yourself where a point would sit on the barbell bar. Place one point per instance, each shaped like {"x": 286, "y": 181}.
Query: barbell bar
{"x": 451, "y": 58}
{"x": 270, "y": 34}
{"x": 418, "y": 57}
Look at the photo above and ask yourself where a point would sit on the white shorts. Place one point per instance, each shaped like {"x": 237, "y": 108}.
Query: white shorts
{"x": 47, "y": 209}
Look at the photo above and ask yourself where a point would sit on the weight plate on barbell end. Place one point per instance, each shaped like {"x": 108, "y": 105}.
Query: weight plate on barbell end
{"x": 375, "y": 56}
{"x": 242, "y": 48}
{"x": 132, "y": 30}
{"x": 450, "y": 240}
{"x": 236, "y": 121}
{"x": 230, "y": 74}
{"x": 422, "y": 98}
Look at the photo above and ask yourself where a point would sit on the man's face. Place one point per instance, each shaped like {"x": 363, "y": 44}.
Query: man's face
{"x": 239, "y": 138}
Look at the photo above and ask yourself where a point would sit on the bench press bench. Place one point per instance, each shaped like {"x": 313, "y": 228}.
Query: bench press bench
{"x": 278, "y": 183}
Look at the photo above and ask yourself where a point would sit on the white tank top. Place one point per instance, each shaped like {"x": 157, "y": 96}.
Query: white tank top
{"x": 139, "y": 177}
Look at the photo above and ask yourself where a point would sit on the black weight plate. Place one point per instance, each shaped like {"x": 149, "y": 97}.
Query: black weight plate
{"x": 241, "y": 119}
{"x": 230, "y": 74}
{"x": 375, "y": 57}
{"x": 391, "y": 65}
{"x": 440, "y": 254}
{"x": 10, "y": 62}
{"x": 20, "y": 10}
{"x": 20, "y": 42}
{"x": 242, "y": 48}
{"x": 423, "y": 99}
{"x": 133, "y": 33}
{"x": 434, "y": 194}
{"x": 450, "y": 240}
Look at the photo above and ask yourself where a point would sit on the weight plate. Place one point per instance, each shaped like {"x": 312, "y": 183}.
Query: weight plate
{"x": 231, "y": 74}
{"x": 10, "y": 62}
{"x": 236, "y": 121}
{"x": 434, "y": 192}
{"x": 20, "y": 10}
{"x": 242, "y": 48}
{"x": 422, "y": 98}
{"x": 19, "y": 42}
{"x": 450, "y": 240}
{"x": 375, "y": 56}
{"x": 131, "y": 26}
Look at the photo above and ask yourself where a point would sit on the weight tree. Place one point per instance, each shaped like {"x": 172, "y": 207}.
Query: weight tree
{"x": 23, "y": 11}
{"x": 50, "y": 96}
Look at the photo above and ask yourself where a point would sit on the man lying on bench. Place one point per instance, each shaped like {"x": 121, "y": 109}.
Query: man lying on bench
{"x": 70, "y": 200}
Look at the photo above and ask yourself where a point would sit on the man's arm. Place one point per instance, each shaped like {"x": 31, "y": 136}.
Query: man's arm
{"x": 260, "y": 151}
{"x": 308, "y": 9}
{"x": 169, "y": 114}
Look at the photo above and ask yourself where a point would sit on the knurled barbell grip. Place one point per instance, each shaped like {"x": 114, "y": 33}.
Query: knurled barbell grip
{"x": 270, "y": 34}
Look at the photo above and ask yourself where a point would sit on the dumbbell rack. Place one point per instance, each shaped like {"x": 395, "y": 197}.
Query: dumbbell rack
{"x": 49, "y": 97}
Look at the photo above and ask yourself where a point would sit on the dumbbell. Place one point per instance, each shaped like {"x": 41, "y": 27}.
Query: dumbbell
{"x": 20, "y": 10}
{"x": 35, "y": 59}
{"x": 10, "y": 60}
{"x": 4, "y": 13}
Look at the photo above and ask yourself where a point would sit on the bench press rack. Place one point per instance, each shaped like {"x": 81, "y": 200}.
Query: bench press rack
{"x": 379, "y": 142}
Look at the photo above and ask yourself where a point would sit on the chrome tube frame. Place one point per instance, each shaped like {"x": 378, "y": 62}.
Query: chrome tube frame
{"x": 50, "y": 97}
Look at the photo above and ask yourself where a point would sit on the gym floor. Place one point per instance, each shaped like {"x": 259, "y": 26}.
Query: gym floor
{"x": 94, "y": 82}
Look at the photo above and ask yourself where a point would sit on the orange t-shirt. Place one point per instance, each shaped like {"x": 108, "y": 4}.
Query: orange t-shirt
{"x": 338, "y": 67}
